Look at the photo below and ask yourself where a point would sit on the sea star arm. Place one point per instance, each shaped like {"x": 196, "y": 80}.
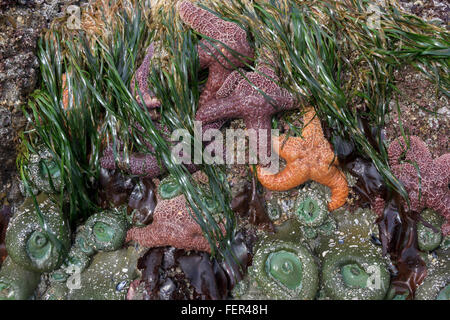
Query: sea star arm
{"x": 283, "y": 103}
{"x": 138, "y": 164}
{"x": 308, "y": 157}
{"x": 213, "y": 27}
{"x": 436, "y": 189}
{"x": 141, "y": 76}
{"x": 289, "y": 149}
{"x": 336, "y": 181}
{"x": 230, "y": 84}
{"x": 294, "y": 174}
{"x": 222, "y": 109}
{"x": 220, "y": 58}
{"x": 172, "y": 226}
{"x": 201, "y": 20}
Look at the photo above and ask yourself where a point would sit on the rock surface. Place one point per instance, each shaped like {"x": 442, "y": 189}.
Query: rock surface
{"x": 21, "y": 23}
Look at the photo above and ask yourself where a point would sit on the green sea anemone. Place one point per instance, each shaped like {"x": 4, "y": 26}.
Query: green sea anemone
{"x": 83, "y": 243}
{"x": 169, "y": 188}
{"x": 16, "y": 282}
{"x": 444, "y": 294}
{"x": 44, "y": 171}
{"x": 29, "y": 244}
{"x": 311, "y": 211}
{"x": 106, "y": 231}
{"x": 355, "y": 273}
{"x": 273, "y": 210}
{"x": 285, "y": 270}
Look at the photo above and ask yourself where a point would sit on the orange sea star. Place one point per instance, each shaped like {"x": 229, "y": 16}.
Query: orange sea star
{"x": 309, "y": 157}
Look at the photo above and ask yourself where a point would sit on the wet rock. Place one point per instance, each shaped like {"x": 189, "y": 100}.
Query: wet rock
{"x": 7, "y": 149}
{"x": 21, "y": 23}
{"x": 16, "y": 282}
{"x": 424, "y": 112}
{"x": 108, "y": 277}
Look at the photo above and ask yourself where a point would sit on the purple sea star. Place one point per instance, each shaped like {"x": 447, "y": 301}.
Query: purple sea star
{"x": 146, "y": 164}
{"x": 437, "y": 182}
{"x": 141, "y": 76}
{"x": 426, "y": 180}
{"x": 220, "y": 64}
{"x": 237, "y": 98}
{"x": 138, "y": 163}
{"x": 401, "y": 161}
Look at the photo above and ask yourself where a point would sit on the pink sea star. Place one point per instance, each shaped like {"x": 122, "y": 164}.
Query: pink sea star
{"x": 172, "y": 226}
{"x": 138, "y": 163}
{"x": 220, "y": 65}
{"x": 145, "y": 164}
{"x": 426, "y": 180}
